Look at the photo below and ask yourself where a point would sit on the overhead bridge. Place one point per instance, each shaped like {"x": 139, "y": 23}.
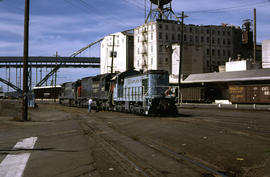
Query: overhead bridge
{"x": 48, "y": 62}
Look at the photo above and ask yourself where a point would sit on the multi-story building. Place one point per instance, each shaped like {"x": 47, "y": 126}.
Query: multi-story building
{"x": 266, "y": 54}
{"x": 212, "y": 45}
{"x": 119, "y": 47}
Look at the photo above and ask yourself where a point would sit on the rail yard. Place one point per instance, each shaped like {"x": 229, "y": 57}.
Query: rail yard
{"x": 153, "y": 88}
{"x": 197, "y": 142}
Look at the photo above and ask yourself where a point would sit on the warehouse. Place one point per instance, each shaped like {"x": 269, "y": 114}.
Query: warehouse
{"x": 208, "y": 87}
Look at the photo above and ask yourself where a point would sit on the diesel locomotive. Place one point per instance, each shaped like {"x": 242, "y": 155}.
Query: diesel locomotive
{"x": 130, "y": 91}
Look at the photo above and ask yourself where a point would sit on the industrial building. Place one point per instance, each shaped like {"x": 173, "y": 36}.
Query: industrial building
{"x": 161, "y": 34}
{"x": 205, "y": 47}
{"x": 266, "y": 54}
{"x": 251, "y": 86}
{"x": 117, "y": 47}
{"x": 155, "y": 45}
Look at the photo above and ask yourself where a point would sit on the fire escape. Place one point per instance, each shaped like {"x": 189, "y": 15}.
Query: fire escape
{"x": 145, "y": 47}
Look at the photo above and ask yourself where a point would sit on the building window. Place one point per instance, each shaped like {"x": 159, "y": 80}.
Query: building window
{"x": 151, "y": 61}
{"x": 160, "y": 48}
{"x": 229, "y": 33}
{"x": 167, "y": 27}
{"x": 197, "y": 39}
{"x": 151, "y": 48}
{"x": 190, "y": 29}
{"x": 202, "y": 39}
{"x": 178, "y": 37}
{"x": 167, "y": 36}
{"x": 173, "y": 38}
{"x": 208, "y": 63}
{"x": 191, "y": 38}
{"x": 160, "y": 35}
{"x": 138, "y": 63}
{"x": 160, "y": 61}
{"x": 166, "y": 59}
{"x": 207, "y": 40}
{"x": 138, "y": 51}
{"x": 224, "y": 53}
{"x": 223, "y": 32}
{"x": 229, "y": 42}
{"x": 202, "y": 30}
{"x": 160, "y": 26}
{"x": 213, "y": 40}
{"x": 173, "y": 27}
{"x": 213, "y": 52}
{"x": 207, "y": 31}
{"x": 208, "y": 52}
{"x": 196, "y": 30}
{"x": 218, "y": 41}
{"x": 213, "y": 31}
{"x": 218, "y": 32}
{"x": 218, "y": 53}
{"x": 138, "y": 39}
{"x": 224, "y": 41}
{"x": 185, "y": 37}
{"x": 151, "y": 36}
{"x": 229, "y": 53}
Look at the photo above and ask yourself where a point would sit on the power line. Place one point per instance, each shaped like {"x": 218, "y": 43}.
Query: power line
{"x": 89, "y": 8}
{"x": 226, "y": 9}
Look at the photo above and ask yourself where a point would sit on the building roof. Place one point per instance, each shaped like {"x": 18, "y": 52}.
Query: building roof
{"x": 129, "y": 32}
{"x": 249, "y": 75}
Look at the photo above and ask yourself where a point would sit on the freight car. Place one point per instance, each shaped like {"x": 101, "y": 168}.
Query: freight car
{"x": 197, "y": 94}
{"x": 250, "y": 94}
{"x": 47, "y": 92}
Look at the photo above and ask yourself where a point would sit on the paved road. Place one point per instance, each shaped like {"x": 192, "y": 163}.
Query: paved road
{"x": 200, "y": 142}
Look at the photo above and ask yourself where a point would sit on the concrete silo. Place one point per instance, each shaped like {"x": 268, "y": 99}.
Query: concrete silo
{"x": 266, "y": 54}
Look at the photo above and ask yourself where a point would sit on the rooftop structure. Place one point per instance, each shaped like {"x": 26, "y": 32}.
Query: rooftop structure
{"x": 236, "y": 76}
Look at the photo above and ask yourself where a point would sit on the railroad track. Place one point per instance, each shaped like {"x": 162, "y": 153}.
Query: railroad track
{"x": 110, "y": 147}
{"x": 180, "y": 156}
{"x": 150, "y": 143}
{"x": 166, "y": 150}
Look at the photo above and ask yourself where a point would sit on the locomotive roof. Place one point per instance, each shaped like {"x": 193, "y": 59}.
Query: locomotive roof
{"x": 101, "y": 76}
{"x": 156, "y": 72}
{"x": 249, "y": 75}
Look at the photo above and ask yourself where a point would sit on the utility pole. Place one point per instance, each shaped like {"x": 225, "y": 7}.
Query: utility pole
{"x": 255, "y": 37}
{"x": 181, "y": 53}
{"x": 25, "y": 62}
{"x": 210, "y": 48}
{"x": 55, "y": 77}
{"x": 112, "y": 54}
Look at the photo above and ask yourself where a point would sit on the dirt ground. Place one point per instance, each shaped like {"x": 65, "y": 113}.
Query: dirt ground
{"x": 199, "y": 142}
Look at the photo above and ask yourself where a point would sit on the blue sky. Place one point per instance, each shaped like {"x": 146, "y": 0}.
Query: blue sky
{"x": 68, "y": 25}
